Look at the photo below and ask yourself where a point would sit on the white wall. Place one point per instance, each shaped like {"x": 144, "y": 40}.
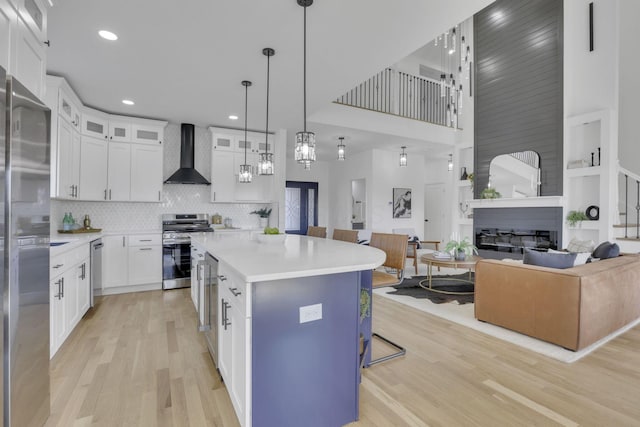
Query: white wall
{"x": 388, "y": 175}
{"x": 629, "y": 108}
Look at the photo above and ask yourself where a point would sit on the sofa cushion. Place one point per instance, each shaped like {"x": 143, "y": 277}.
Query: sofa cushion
{"x": 581, "y": 257}
{"x": 606, "y": 250}
{"x": 577, "y": 245}
{"x": 546, "y": 259}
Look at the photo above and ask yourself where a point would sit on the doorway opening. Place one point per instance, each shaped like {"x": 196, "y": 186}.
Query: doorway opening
{"x": 301, "y": 206}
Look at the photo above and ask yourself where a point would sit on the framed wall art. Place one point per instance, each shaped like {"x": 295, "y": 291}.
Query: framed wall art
{"x": 402, "y": 203}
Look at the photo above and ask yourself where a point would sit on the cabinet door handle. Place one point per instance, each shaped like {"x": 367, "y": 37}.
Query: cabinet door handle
{"x": 72, "y": 194}
{"x": 235, "y": 292}
{"x": 105, "y": 194}
{"x": 200, "y": 255}
{"x": 214, "y": 196}
{"x": 123, "y": 241}
{"x": 59, "y": 294}
{"x": 58, "y": 265}
{"x": 226, "y": 318}
{"x": 62, "y": 280}
{"x": 144, "y": 240}
{"x": 146, "y": 249}
{"x": 223, "y": 305}
{"x": 221, "y": 278}
{"x": 109, "y": 194}
{"x": 159, "y": 196}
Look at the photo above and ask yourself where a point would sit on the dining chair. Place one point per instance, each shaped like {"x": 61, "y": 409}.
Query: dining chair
{"x": 395, "y": 248}
{"x": 345, "y": 235}
{"x": 317, "y": 231}
{"x": 412, "y": 245}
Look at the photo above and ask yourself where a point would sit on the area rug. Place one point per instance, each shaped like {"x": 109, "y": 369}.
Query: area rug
{"x": 447, "y": 283}
{"x": 462, "y": 314}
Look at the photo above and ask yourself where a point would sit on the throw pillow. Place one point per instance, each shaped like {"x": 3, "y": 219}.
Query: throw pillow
{"x": 581, "y": 257}
{"x": 576, "y": 245}
{"x": 546, "y": 259}
{"x": 606, "y": 250}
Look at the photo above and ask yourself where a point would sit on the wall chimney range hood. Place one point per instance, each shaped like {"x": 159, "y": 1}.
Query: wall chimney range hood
{"x": 187, "y": 174}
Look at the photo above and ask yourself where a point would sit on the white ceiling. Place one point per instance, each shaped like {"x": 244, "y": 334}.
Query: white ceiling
{"x": 183, "y": 61}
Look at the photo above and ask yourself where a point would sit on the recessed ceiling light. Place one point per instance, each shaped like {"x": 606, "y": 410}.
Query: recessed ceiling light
{"x": 232, "y": 117}
{"x": 108, "y": 35}
{"x": 128, "y": 102}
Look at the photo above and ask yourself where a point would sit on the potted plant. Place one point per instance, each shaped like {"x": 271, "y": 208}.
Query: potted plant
{"x": 461, "y": 248}
{"x": 574, "y": 217}
{"x": 263, "y": 214}
{"x": 490, "y": 193}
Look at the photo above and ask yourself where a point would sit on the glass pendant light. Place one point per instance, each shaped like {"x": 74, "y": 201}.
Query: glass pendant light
{"x": 265, "y": 163}
{"x": 245, "y": 170}
{"x": 403, "y": 157}
{"x": 443, "y": 84}
{"x": 341, "y": 148}
{"x": 450, "y": 163}
{"x": 305, "y": 151}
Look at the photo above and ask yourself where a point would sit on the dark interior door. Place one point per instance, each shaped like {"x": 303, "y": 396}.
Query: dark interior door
{"x": 301, "y": 206}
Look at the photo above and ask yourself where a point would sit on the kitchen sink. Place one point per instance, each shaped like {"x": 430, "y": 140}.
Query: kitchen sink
{"x": 57, "y": 243}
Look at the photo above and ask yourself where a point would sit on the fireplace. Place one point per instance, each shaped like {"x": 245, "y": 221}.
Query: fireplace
{"x": 505, "y": 232}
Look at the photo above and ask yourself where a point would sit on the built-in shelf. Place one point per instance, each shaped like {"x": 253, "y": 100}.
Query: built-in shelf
{"x": 521, "y": 202}
{"x": 586, "y": 225}
{"x": 580, "y": 172}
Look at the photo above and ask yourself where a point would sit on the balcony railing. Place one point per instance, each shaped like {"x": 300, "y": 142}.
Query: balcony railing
{"x": 405, "y": 95}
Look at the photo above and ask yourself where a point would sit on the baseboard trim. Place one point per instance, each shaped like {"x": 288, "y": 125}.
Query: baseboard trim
{"x": 129, "y": 289}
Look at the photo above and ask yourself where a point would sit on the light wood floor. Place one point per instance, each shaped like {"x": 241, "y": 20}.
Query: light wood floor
{"x": 137, "y": 360}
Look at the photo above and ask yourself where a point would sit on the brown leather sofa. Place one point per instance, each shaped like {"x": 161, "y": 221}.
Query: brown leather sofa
{"x": 572, "y": 308}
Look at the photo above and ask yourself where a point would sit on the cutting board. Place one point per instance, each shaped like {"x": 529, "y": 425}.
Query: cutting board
{"x": 81, "y": 230}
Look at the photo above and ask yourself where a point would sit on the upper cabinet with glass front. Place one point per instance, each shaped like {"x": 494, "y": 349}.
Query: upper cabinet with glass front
{"x": 95, "y": 123}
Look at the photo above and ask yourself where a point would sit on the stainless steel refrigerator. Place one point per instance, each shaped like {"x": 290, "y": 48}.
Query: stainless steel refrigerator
{"x": 24, "y": 237}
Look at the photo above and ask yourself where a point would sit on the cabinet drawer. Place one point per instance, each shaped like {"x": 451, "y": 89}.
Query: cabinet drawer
{"x": 145, "y": 240}
{"x": 60, "y": 263}
{"x": 236, "y": 291}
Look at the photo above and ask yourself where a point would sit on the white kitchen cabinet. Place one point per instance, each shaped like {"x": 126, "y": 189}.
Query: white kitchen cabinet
{"x": 227, "y": 155}
{"x": 95, "y": 123}
{"x": 144, "y": 132}
{"x": 145, "y": 259}
{"x": 130, "y": 261}
{"x": 119, "y": 172}
{"x": 93, "y": 168}
{"x": 69, "y": 108}
{"x": 69, "y": 293}
{"x": 119, "y": 131}
{"x": 146, "y": 172}
{"x": 7, "y": 28}
{"x": 223, "y": 179}
{"x": 197, "y": 281}
{"x": 233, "y": 338}
{"x": 115, "y": 258}
{"x": 29, "y": 59}
{"x": 67, "y": 161}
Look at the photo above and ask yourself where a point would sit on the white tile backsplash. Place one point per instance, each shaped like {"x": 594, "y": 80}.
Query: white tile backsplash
{"x": 132, "y": 216}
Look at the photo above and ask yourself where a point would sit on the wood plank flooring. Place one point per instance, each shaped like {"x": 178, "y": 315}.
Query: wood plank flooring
{"x": 138, "y": 360}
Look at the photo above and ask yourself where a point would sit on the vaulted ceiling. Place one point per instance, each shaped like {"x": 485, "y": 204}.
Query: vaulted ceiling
{"x": 183, "y": 61}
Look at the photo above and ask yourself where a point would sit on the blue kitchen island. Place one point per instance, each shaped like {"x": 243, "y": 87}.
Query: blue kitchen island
{"x": 289, "y": 326}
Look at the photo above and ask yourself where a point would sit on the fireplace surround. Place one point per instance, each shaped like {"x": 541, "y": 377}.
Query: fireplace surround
{"x": 505, "y": 232}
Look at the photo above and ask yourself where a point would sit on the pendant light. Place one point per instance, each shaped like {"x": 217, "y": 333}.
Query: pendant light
{"x": 450, "y": 163}
{"x": 403, "y": 157}
{"x": 265, "y": 164}
{"x": 341, "y": 148}
{"x": 245, "y": 170}
{"x": 305, "y": 151}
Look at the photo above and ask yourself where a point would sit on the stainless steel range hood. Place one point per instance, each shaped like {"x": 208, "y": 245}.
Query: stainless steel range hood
{"x": 187, "y": 174}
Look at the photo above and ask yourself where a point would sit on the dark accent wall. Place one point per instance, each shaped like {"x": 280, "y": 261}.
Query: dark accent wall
{"x": 518, "y": 86}
{"x": 513, "y": 219}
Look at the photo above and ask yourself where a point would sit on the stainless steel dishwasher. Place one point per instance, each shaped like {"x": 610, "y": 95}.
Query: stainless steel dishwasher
{"x": 96, "y": 267}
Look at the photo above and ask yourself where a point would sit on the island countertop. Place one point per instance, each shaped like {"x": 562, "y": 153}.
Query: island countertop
{"x": 297, "y": 256}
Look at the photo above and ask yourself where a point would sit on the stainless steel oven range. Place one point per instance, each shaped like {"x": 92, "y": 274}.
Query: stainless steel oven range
{"x": 176, "y": 247}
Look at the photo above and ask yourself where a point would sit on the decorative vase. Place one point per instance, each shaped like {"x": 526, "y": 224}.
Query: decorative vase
{"x": 464, "y": 175}
{"x": 264, "y": 222}
{"x": 460, "y": 255}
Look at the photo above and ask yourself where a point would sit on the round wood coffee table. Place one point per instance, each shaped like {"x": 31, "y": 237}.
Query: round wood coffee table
{"x": 431, "y": 261}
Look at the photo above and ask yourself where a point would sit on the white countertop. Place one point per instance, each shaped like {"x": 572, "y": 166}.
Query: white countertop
{"x": 75, "y": 240}
{"x": 298, "y": 256}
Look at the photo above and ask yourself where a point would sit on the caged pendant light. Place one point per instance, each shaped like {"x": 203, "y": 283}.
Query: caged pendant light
{"x": 305, "y": 151}
{"x": 265, "y": 164}
{"x": 341, "y": 148}
{"x": 245, "y": 170}
{"x": 403, "y": 157}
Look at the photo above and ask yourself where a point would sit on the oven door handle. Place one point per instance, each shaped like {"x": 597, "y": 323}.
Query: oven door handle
{"x": 166, "y": 242}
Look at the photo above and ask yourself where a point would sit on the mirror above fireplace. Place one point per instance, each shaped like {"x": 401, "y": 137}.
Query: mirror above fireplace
{"x": 516, "y": 175}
